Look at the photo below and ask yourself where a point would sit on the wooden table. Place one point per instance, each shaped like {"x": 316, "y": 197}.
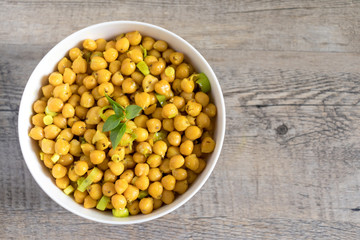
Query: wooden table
{"x": 289, "y": 71}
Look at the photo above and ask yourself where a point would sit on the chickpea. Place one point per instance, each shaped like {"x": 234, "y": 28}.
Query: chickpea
{"x": 148, "y": 43}
{"x": 149, "y": 83}
{"x": 109, "y": 176}
{"x": 193, "y": 108}
{"x": 74, "y": 53}
{"x": 202, "y": 98}
{"x": 168, "y": 197}
{"x": 154, "y": 160}
{"x": 58, "y": 171}
{"x": 160, "y": 45}
{"x": 186, "y": 147}
{"x": 74, "y": 100}
{"x": 193, "y": 132}
{"x": 66, "y": 159}
{"x": 116, "y": 167}
{"x": 37, "y": 120}
{"x": 80, "y": 196}
{"x": 168, "y": 182}
{"x": 48, "y": 146}
{"x": 69, "y": 76}
{"x": 129, "y": 86}
{"x": 127, "y": 175}
{"x": 62, "y": 91}
{"x": 105, "y": 87}
{"x": 62, "y": 147}
{"x": 135, "y": 55}
{"x": 176, "y": 58}
{"x": 192, "y": 162}
{"x": 78, "y": 128}
{"x": 93, "y": 115}
{"x": 63, "y": 182}
{"x": 165, "y": 166}
{"x": 87, "y": 100}
{"x": 111, "y": 54}
{"x": 134, "y": 38}
{"x": 118, "y": 201}
{"x": 169, "y": 111}
{"x": 68, "y": 110}
{"x": 39, "y": 106}
{"x": 142, "y": 99}
{"x": 174, "y": 138}
{"x": 157, "y": 68}
{"x": 157, "y": 114}
{"x": 142, "y": 169}
{"x": 121, "y": 185}
{"x": 179, "y": 174}
{"x": 55, "y": 104}
{"x": 95, "y": 191}
{"x": 176, "y": 161}
{"x": 141, "y": 133}
{"x": 108, "y": 189}
{"x": 155, "y": 190}
{"x": 98, "y": 63}
{"x": 47, "y": 90}
{"x": 75, "y": 148}
{"x": 210, "y": 110}
{"x": 146, "y": 205}
{"x": 154, "y": 174}
{"x": 89, "y": 44}
{"x": 202, "y": 165}
{"x": 79, "y": 65}
{"x": 47, "y": 161}
{"x": 207, "y": 145}
{"x": 163, "y": 87}
{"x": 56, "y": 79}
{"x": 160, "y": 148}
{"x": 182, "y": 71}
{"x": 140, "y": 121}
{"x": 181, "y": 123}
{"x": 153, "y": 125}
{"x": 178, "y": 101}
{"x": 181, "y": 186}
{"x": 89, "y": 202}
{"x": 142, "y": 182}
{"x": 97, "y": 156}
{"x": 114, "y": 66}
{"x": 203, "y": 120}
{"x": 138, "y": 77}
{"x": 168, "y": 124}
{"x": 37, "y": 133}
{"x": 166, "y": 54}
{"x": 131, "y": 193}
{"x": 172, "y": 151}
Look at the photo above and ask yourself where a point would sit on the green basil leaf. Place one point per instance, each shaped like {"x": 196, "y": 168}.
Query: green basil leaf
{"x": 118, "y": 111}
{"x": 113, "y": 103}
{"x": 111, "y": 123}
{"x": 117, "y": 134}
{"x": 132, "y": 111}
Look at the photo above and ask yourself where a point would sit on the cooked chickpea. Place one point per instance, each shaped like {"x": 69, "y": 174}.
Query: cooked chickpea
{"x": 149, "y": 83}
{"x": 80, "y": 196}
{"x": 182, "y": 71}
{"x": 157, "y": 68}
{"x": 121, "y": 185}
{"x": 160, "y": 148}
{"x": 153, "y": 125}
{"x": 39, "y": 106}
{"x": 142, "y": 169}
{"x": 75, "y": 148}
{"x": 207, "y": 145}
{"x": 154, "y": 174}
{"x": 176, "y": 58}
{"x": 160, "y": 45}
{"x": 127, "y": 175}
{"x": 108, "y": 189}
{"x": 163, "y": 87}
{"x": 168, "y": 124}
{"x": 48, "y": 146}
{"x": 181, "y": 186}
{"x": 127, "y": 67}
{"x": 131, "y": 193}
{"x": 168, "y": 197}
{"x": 169, "y": 111}
{"x": 111, "y": 54}
{"x": 181, "y": 123}
{"x": 187, "y": 85}
{"x": 79, "y": 65}
{"x": 210, "y": 110}
{"x": 174, "y": 138}
{"x": 89, "y": 44}
{"x": 142, "y": 99}
{"x": 95, "y": 191}
{"x": 133, "y": 207}
{"x": 141, "y": 133}
{"x": 98, "y": 63}
{"x": 135, "y": 55}
{"x": 55, "y": 104}
{"x": 179, "y": 102}
{"x": 87, "y": 100}
{"x": 118, "y": 201}
{"x": 142, "y": 182}
{"x": 62, "y": 147}
{"x": 58, "y": 171}
{"x": 37, "y": 133}
{"x": 179, "y": 174}
{"x": 146, "y": 205}
{"x": 172, "y": 151}
{"x": 66, "y": 159}
{"x": 176, "y": 161}
{"x": 102, "y": 76}
{"x": 186, "y": 147}
{"x": 193, "y": 108}
{"x": 89, "y": 202}
{"x": 193, "y": 132}
{"x": 129, "y": 86}
{"x": 97, "y": 156}
{"x": 134, "y": 38}
{"x": 116, "y": 167}
{"x": 63, "y": 182}
{"x": 168, "y": 182}
{"x": 78, "y": 128}
{"x": 154, "y": 160}
{"x": 155, "y": 190}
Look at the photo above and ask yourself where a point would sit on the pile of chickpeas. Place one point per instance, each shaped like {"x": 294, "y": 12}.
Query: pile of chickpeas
{"x": 164, "y": 148}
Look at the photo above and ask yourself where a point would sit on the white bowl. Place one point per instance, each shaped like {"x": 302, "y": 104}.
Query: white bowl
{"x": 109, "y": 30}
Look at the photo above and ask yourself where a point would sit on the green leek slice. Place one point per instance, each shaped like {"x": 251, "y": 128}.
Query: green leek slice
{"x": 203, "y": 82}
{"x": 69, "y": 189}
{"x": 103, "y": 202}
{"x": 120, "y": 212}
{"x": 89, "y": 179}
{"x": 143, "y": 67}
{"x": 161, "y": 99}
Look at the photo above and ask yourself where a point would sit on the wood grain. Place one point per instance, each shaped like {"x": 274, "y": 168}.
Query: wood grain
{"x": 289, "y": 71}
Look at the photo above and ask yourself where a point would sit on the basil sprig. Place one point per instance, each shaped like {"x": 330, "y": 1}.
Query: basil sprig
{"x": 114, "y": 124}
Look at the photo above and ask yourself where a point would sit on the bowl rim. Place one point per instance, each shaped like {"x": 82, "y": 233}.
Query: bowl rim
{"x": 215, "y": 155}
